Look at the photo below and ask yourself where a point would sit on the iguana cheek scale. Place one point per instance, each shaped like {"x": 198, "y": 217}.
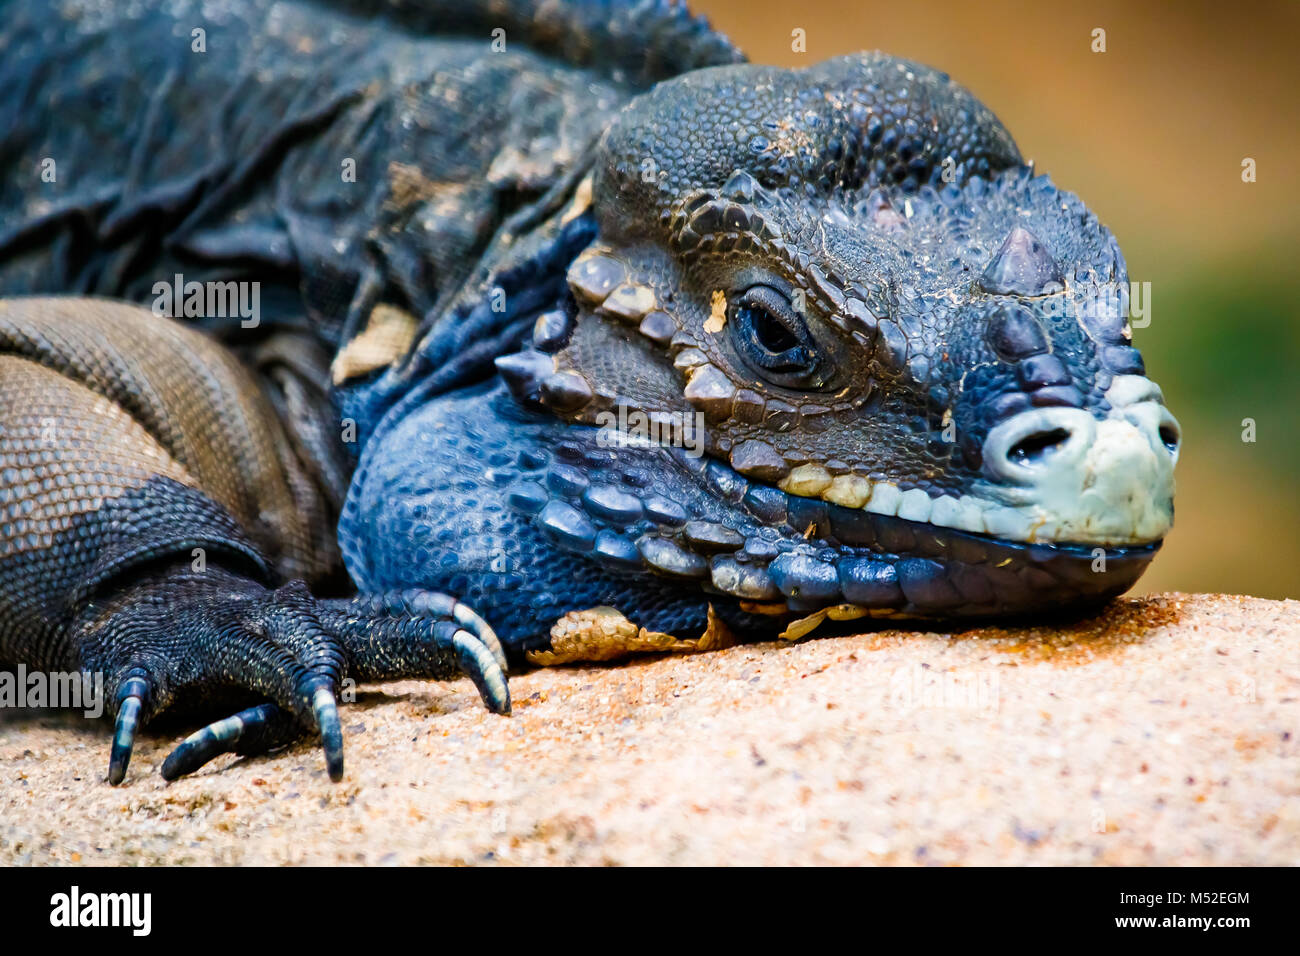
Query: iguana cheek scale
{"x": 879, "y": 366}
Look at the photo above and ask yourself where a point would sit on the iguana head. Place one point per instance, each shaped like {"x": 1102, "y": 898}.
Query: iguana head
{"x": 905, "y": 352}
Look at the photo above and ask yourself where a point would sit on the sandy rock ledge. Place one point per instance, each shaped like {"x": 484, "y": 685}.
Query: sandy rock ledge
{"x": 1163, "y": 731}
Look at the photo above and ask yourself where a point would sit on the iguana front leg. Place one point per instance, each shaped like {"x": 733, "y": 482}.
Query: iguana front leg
{"x": 147, "y": 520}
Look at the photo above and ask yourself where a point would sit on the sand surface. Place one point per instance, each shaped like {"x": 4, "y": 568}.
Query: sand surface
{"x": 1163, "y": 731}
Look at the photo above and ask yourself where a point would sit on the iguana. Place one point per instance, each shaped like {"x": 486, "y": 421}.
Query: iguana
{"x": 315, "y": 313}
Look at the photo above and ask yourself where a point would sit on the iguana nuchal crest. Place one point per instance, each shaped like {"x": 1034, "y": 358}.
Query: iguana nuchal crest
{"x": 558, "y": 308}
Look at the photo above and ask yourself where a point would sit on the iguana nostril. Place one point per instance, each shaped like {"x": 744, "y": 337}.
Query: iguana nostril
{"x": 1038, "y": 447}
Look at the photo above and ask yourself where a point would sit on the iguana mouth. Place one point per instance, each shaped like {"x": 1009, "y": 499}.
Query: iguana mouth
{"x": 696, "y": 520}
{"x": 896, "y": 566}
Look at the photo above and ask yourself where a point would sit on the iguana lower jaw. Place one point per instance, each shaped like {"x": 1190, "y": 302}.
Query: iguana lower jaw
{"x": 766, "y": 547}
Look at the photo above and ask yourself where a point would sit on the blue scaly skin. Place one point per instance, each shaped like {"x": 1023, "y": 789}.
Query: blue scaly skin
{"x": 624, "y": 343}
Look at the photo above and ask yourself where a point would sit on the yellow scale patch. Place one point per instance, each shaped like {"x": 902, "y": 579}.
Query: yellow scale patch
{"x": 604, "y": 633}
{"x": 387, "y": 337}
{"x": 717, "y": 319}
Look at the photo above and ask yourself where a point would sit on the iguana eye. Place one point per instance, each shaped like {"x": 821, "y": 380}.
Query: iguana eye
{"x": 773, "y": 338}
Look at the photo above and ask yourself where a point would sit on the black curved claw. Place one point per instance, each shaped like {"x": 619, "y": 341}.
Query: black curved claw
{"x": 259, "y": 729}
{"x": 131, "y": 696}
{"x": 326, "y": 710}
{"x": 220, "y": 737}
{"x": 481, "y": 666}
{"x": 469, "y": 619}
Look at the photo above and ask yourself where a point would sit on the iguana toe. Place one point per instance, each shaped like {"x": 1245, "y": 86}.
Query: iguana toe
{"x": 248, "y": 733}
{"x": 133, "y": 695}
{"x": 416, "y": 633}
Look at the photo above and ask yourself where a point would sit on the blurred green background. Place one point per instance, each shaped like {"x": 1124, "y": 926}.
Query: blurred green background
{"x": 1151, "y": 134}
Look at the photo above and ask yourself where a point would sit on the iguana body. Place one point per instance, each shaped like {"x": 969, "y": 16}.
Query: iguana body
{"x": 537, "y": 325}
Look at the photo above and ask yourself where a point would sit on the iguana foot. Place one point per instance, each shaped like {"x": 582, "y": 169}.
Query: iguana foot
{"x": 195, "y": 640}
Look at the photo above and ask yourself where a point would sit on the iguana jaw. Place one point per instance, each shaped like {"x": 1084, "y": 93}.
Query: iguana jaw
{"x": 691, "y": 519}
{"x": 804, "y": 554}
{"x": 813, "y": 553}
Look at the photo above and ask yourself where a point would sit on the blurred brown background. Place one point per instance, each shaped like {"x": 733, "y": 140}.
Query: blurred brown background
{"x": 1151, "y": 134}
